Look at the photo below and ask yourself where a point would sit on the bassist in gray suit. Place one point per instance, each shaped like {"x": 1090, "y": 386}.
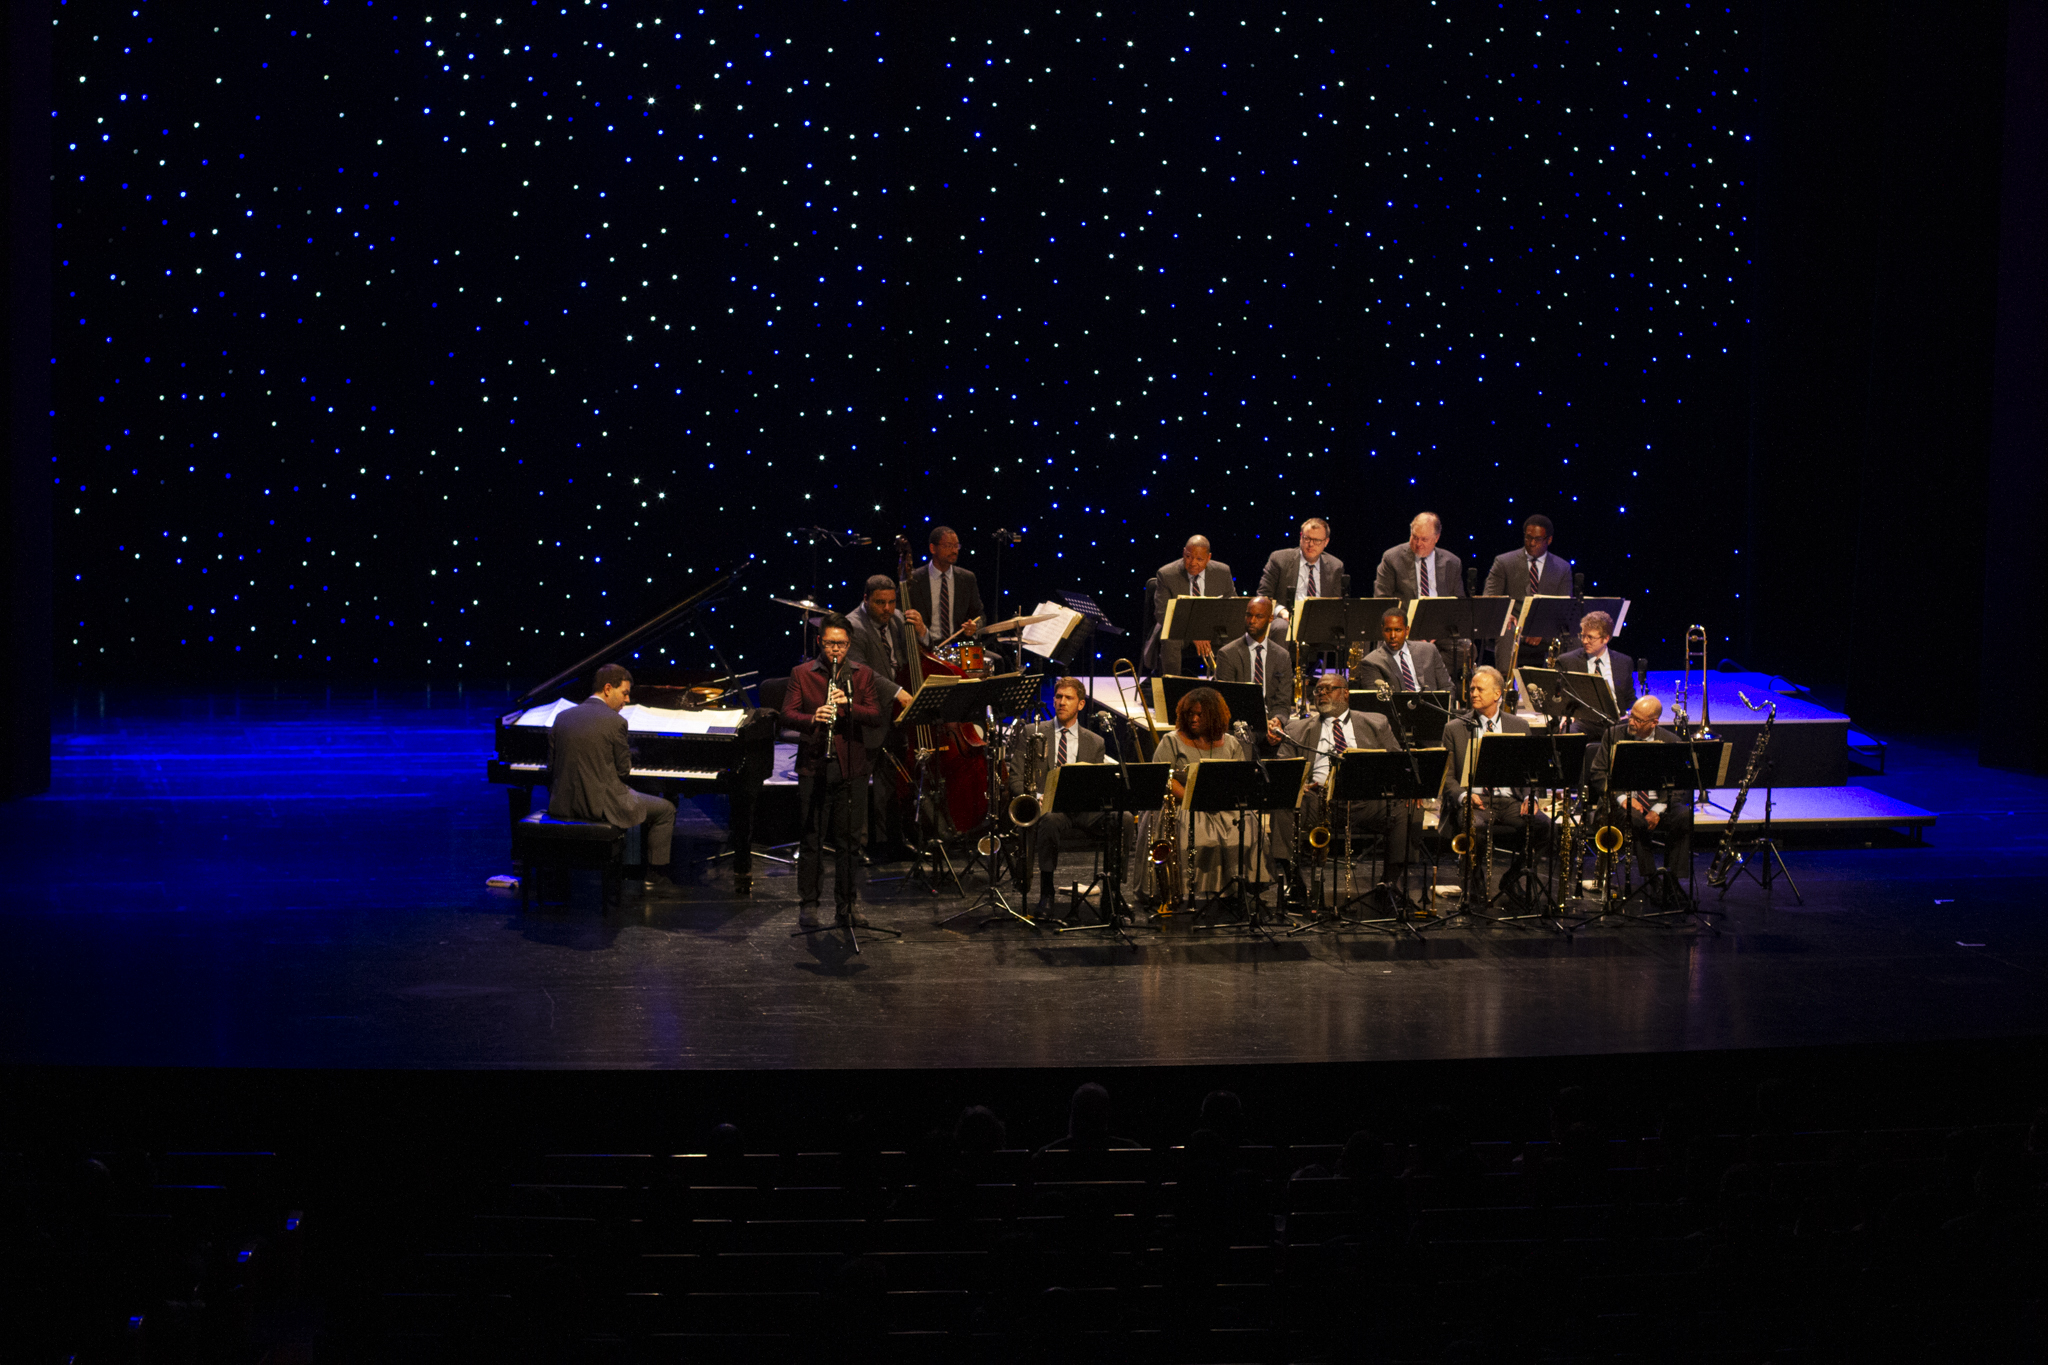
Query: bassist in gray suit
{"x": 1194, "y": 574}
{"x": 1035, "y": 750}
{"x": 589, "y": 762}
{"x": 1257, "y": 657}
{"x": 1311, "y": 571}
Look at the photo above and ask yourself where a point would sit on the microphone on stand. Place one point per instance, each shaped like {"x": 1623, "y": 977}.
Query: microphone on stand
{"x": 1471, "y": 582}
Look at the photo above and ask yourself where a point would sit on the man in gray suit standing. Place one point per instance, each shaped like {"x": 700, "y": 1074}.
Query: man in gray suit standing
{"x": 1256, "y": 657}
{"x": 1418, "y": 568}
{"x": 589, "y": 762}
{"x": 1409, "y": 665}
{"x": 1194, "y": 574}
{"x": 1311, "y": 571}
{"x": 1035, "y": 750}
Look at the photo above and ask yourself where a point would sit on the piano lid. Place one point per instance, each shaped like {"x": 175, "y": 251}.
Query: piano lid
{"x": 641, "y": 720}
{"x": 644, "y": 633}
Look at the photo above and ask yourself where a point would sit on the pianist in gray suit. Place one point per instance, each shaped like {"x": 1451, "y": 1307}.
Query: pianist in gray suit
{"x": 589, "y": 762}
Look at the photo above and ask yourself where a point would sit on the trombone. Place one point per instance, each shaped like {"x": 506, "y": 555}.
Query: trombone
{"x": 1120, "y": 670}
{"x": 1695, "y": 648}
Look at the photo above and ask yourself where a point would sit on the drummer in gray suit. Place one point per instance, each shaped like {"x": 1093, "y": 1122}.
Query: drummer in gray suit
{"x": 1311, "y": 571}
{"x": 1409, "y": 665}
{"x": 1035, "y": 750}
{"x": 1257, "y": 657}
{"x": 589, "y": 762}
{"x": 1194, "y": 574}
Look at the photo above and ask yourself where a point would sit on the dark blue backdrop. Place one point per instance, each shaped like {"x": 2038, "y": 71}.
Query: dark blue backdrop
{"x": 396, "y": 340}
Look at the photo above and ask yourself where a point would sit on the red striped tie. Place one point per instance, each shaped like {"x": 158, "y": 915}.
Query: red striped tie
{"x": 1422, "y": 576}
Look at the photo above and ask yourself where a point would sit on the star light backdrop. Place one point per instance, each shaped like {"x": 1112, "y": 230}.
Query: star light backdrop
{"x": 399, "y": 340}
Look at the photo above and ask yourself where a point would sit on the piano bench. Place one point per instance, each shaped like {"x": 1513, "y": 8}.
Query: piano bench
{"x": 545, "y": 846}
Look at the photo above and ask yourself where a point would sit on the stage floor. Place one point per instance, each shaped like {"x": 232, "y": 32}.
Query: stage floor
{"x": 297, "y": 879}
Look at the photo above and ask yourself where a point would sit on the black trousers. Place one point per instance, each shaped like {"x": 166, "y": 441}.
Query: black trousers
{"x": 1511, "y": 828}
{"x": 1055, "y": 831}
{"x": 1674, "y": 831}
{"x": 825, "y": 803}
{"x": 1397, "y": 822}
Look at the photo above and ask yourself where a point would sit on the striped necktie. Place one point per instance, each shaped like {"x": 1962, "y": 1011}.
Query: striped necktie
{"x": 1422, "y": 576}
{"x": 1407, "y": 677}
{"x": 1259, "y": 664}
{"x": 1061, "y": 761}
{"x": 1312, "y": 578}
{"x": 1535, "y": 580}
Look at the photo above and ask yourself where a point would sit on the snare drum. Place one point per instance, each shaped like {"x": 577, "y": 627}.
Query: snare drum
{"x": 968, "y": 657}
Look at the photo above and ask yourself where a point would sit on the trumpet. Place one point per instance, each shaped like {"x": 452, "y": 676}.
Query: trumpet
{"x": 1024, "y": 810}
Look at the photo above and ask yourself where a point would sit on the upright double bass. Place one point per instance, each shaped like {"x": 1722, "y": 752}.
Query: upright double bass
{"x": 954, "y": 757}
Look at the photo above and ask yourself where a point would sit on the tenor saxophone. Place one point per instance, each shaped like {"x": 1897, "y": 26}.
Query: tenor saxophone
{"x": 1169, "y": 875}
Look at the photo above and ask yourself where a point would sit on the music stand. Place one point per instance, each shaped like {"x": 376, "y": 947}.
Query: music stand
{"x": 927, "y": 707}
{"x": 1117, "y": 791}
{"x": 1389, "y": 776}
{"x": 1482, "y": 620}
{"x": 1491, "y": 761}
{"x": 1645, "y": 765}
{"x": 1201, "y": 618}
{"x": 1558, "y": 617}
{"x": 1424, "y": 713}
{"x": 980, "y": 701}
{"x": 1327, "y": 624}
{"x": 1246, "y": 788}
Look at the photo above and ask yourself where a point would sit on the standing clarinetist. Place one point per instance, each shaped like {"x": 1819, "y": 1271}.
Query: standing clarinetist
{"x": 830, "y": 701}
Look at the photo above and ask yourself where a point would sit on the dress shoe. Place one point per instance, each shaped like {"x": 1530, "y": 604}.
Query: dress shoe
{"x": 853, "y": 914}
{"x": 807, "y": 915}
{"x": 743, "y": 884}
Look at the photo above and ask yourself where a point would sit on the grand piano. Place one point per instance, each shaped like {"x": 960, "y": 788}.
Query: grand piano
{"x": 691, "y": 731}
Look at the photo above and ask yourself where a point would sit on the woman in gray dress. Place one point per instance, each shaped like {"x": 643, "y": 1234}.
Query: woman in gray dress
{"x": 1208, "y": 841}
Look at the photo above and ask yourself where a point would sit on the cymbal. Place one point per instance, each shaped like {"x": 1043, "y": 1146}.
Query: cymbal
{"x": 801, "y": 604}
{"x": 1014, "y": 622}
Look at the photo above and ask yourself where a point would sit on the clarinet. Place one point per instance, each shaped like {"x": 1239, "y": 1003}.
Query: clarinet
{"x": 1725, "y": 856}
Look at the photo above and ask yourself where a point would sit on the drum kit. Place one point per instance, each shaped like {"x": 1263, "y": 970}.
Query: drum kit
{"x": 963, "y": 650}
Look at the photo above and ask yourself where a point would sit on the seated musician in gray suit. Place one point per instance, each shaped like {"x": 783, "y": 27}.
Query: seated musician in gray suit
{"x": 1654, "y": 817}
{"x": 1194, "y": 574}
{"x": 1477, "y": 808}
{"x": 1593, "y": 656}
{"x": 1531, "y": 571}
{"x": 1035, "y": 750}
{"x": 589, "y": 762}
{"x": 1322, "y": 738}
{"x": 1409, "y": 665}
{"x": 1257, "y": 656}
{"x": 1311, "y": 571}
{"x": 1417, "y": 568}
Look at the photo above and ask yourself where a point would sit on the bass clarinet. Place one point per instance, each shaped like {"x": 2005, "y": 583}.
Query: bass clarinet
{"x": 1725, "y": 857}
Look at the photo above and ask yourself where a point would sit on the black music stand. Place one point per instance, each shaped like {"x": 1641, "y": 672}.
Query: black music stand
{"x": 1496, "y": 760}
{"x": 1423, "y": 713}
{"x": 1558, "y": 617}
{"x": 1685, "y": 769}
{"x": 1388, "y": 776}
{"x": 1334, "y": 624}
{"x": 1482, "y": 620}
{"x": 1589, "y": 696}
{"x": 1246, "y": 788}
{"x": 1117, "y": 791}
{"x": 980, "y": 701}
{"x": 927, "y": 708}
{"x": 1215, "y": 619}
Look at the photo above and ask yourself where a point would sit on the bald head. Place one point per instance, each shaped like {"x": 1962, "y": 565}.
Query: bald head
{"x": 1643, "y": 717}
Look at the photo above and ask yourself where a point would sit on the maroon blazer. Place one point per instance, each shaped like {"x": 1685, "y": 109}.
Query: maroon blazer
{"x": 807, "y": 684}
